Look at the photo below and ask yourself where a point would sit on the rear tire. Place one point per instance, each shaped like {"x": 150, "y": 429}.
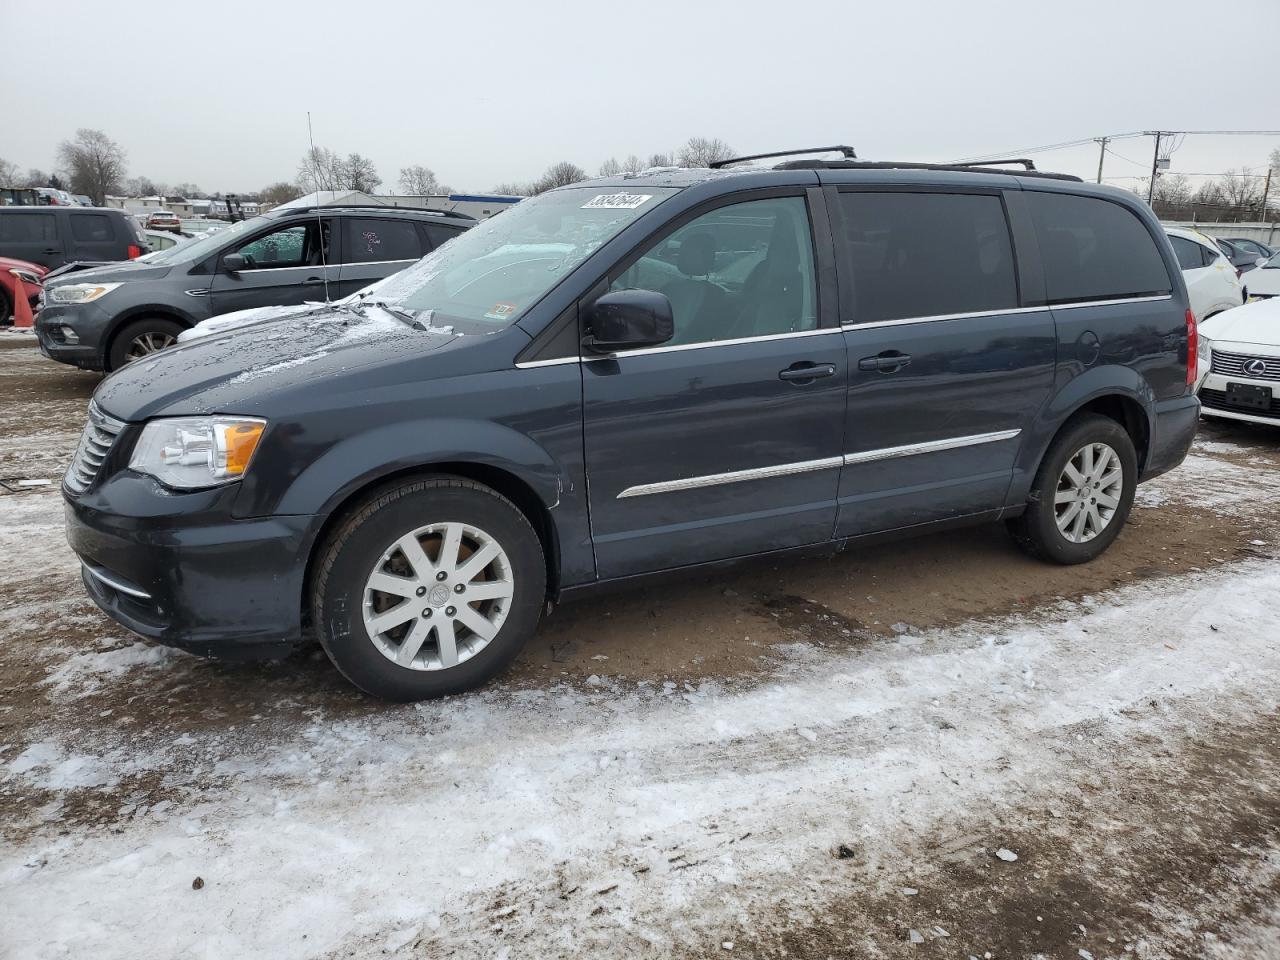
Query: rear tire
{"x": 1078, "y": 504}
{"x": 140, "y": 339}
{"x": 432, "y": 544}
{"x": 6, "y": 310}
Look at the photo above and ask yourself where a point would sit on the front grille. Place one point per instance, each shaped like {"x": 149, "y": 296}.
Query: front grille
{"x": 1217, "y": 400}
{"x": 100, "y": 433}
{"x": 1232, "y": 365}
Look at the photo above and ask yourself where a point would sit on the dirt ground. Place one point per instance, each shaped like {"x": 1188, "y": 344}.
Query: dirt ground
{"x": 1164, "y": 840}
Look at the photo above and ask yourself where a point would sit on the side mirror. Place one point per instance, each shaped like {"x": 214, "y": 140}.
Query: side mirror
{"x": 234, "y": 263}
{"x": 629, "y": 319}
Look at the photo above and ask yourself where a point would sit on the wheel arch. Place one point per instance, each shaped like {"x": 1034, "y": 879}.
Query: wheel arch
{"x": 1119, "y": 393}
{"x": 140, "y": 312}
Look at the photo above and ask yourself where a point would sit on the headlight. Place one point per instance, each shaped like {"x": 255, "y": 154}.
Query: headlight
{"x": 193, "y": 452}
{"x": 80, "y": 292}
{"x": 1204, "y": 346}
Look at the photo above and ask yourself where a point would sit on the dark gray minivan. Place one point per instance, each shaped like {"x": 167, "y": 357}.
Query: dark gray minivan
{"x": 651, "y": 374}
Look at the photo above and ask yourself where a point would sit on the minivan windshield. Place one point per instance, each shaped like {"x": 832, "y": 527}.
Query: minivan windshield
{"x": 202, "y": 246}
{"x": 487, "y": 277}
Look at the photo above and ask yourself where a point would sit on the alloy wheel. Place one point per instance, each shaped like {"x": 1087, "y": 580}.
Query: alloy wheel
{"x": 1088, "y": 492}
{"x": 145, "y": 344}
{"x": 437, "y": 596}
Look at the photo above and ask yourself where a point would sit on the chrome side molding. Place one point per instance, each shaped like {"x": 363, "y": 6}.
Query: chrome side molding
{"x": 808, "y": 466}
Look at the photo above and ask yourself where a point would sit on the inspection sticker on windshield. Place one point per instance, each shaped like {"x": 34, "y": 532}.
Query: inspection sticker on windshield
{"x": 500, "y": 311}
{"x": 617, "y": 201}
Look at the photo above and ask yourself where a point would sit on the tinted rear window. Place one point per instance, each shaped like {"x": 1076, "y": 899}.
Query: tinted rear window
{"x": 1094, "y": 250}
{"x": 927, "y": 254}
{"x": 438, "y": 235}
{"x": 371, "y": 240}
{"x": 27, "y": 227}
{"x": 1190, "y": 254}
{"x": 91, "y": 227}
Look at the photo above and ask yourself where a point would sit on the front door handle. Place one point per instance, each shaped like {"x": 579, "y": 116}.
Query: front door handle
{"x": 806, "y": 371}
{"x": 312, "y": 281}
{"x": 51, "y": 251}
{"x": 888, "y": 361}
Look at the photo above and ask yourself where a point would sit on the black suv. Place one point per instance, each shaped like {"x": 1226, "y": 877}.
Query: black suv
{"x": 101, "y": 319}
{"x": 56, "y": 236}
{"x": 648, "y": 374}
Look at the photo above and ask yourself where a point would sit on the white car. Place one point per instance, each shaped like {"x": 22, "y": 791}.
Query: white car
{"x": 1211, "y": 280}
{"x": 1239, "y": 364}
{"x": 1265, "y": 281}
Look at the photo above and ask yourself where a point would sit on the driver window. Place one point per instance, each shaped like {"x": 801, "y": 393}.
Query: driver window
{"x": 744, "y": 270}
{"x": 293, "y": 246}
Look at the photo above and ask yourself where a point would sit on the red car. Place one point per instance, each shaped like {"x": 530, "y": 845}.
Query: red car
{"x": 32, "y": 275}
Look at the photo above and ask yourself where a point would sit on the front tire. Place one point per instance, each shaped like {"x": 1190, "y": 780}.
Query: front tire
{"x": 430, "y": 588}
{"x": 1082, "y": 493}
{"x": 140, "y": 339}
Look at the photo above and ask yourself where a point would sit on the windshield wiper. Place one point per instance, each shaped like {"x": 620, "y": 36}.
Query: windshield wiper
{"x": 400, "y": 313}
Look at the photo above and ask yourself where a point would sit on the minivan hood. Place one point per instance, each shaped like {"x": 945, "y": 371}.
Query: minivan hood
{"x": 1257, "y": 322}
{"x": 112, "y": 273}
{"x": 232, "y": 372}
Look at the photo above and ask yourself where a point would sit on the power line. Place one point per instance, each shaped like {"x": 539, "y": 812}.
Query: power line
{"x": 1119, "y": 136}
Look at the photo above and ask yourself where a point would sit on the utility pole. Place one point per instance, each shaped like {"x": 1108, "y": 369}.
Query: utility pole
{"x": 1266, "y": 189}
{"x": 1102, "y": 152}
{"x": 1155, "y": 163}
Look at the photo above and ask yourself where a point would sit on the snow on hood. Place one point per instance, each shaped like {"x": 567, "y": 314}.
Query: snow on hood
{"x": 1255, "y": 323}
{"x": 244, "y": 318}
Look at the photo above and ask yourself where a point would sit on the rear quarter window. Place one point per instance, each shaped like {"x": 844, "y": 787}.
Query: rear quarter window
{"x": 91, "y": 227}
{"x": 1191, "y": 256}
{"x": 1094, "y": 249}
{"x": 438, "y": 234}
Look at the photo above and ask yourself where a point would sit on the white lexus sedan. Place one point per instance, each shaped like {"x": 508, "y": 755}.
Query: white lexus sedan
{"x": 1239, "y": 363}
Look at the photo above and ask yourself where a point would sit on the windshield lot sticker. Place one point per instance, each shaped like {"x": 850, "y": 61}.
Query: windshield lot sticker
{"x": 500, "y": 311}
{"x": 617, "y": 201}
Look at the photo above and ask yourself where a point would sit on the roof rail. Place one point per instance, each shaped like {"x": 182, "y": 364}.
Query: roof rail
{"x": 383, "y": 207}
{"x": 1026, "y": 164}
{"x": 847, "y": 152}
{"x": 903, "y": 165}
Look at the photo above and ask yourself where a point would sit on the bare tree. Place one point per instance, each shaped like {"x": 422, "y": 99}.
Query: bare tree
{"x": 8, "y": 173}
{"x": 95, "y": 163}
{"x": 418, "y": 181}
{"x": 1273, "y": 161}
{"x": 660, "y": 160}
{"x": 1240, "y": 188}
{"x": 36, "y": 178}
{"x": 186, "y": 190}
{"x": 1171, "y": 188}
{"x": 359, "y": 173}
{"x": 702, "y": 152}
{"x": 610, "y": 168}
{"x": 278, "y": 193}
{"x": 513, "y": 189}
{"x": 632, "y": 164}
{"x": 559, "y": 175}
{"x": 319, "y": 169}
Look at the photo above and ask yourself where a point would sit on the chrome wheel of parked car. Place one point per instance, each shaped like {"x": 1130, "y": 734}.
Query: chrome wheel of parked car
{"x": 437, "y": 596}
{"x": 145, "y": 344}
{"x": 1089, "y": 492}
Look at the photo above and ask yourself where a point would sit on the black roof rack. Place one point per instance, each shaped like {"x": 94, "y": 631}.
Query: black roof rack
{"x": 382, "y": 207}
{"x": 984, "y": 167}
{"x": 847, "y": 152}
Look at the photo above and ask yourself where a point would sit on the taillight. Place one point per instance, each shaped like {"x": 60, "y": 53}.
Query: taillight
{"x": 135, "y": 252}
{"x": 1193, "y": 348}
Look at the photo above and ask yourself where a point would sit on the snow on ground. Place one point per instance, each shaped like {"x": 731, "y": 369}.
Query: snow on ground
{"x": 445, "y": 820}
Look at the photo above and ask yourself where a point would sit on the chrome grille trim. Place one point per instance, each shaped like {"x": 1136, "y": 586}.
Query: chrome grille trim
{"x": 100, "y": 432}
{"x": 1232, "y": 365}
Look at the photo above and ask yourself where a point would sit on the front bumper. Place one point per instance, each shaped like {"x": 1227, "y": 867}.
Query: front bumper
{"x": 1212, "y": 390}
{"x": 88, "y": 320}
{"x": 178, "y": 569}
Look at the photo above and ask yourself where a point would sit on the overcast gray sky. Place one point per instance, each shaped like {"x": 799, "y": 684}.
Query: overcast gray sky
{"x": 482, "y": 92}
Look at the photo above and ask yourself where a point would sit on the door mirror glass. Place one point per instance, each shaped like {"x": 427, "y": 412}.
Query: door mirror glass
{"x": 627, "y": 319}
{"x": 234, "y": 263}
